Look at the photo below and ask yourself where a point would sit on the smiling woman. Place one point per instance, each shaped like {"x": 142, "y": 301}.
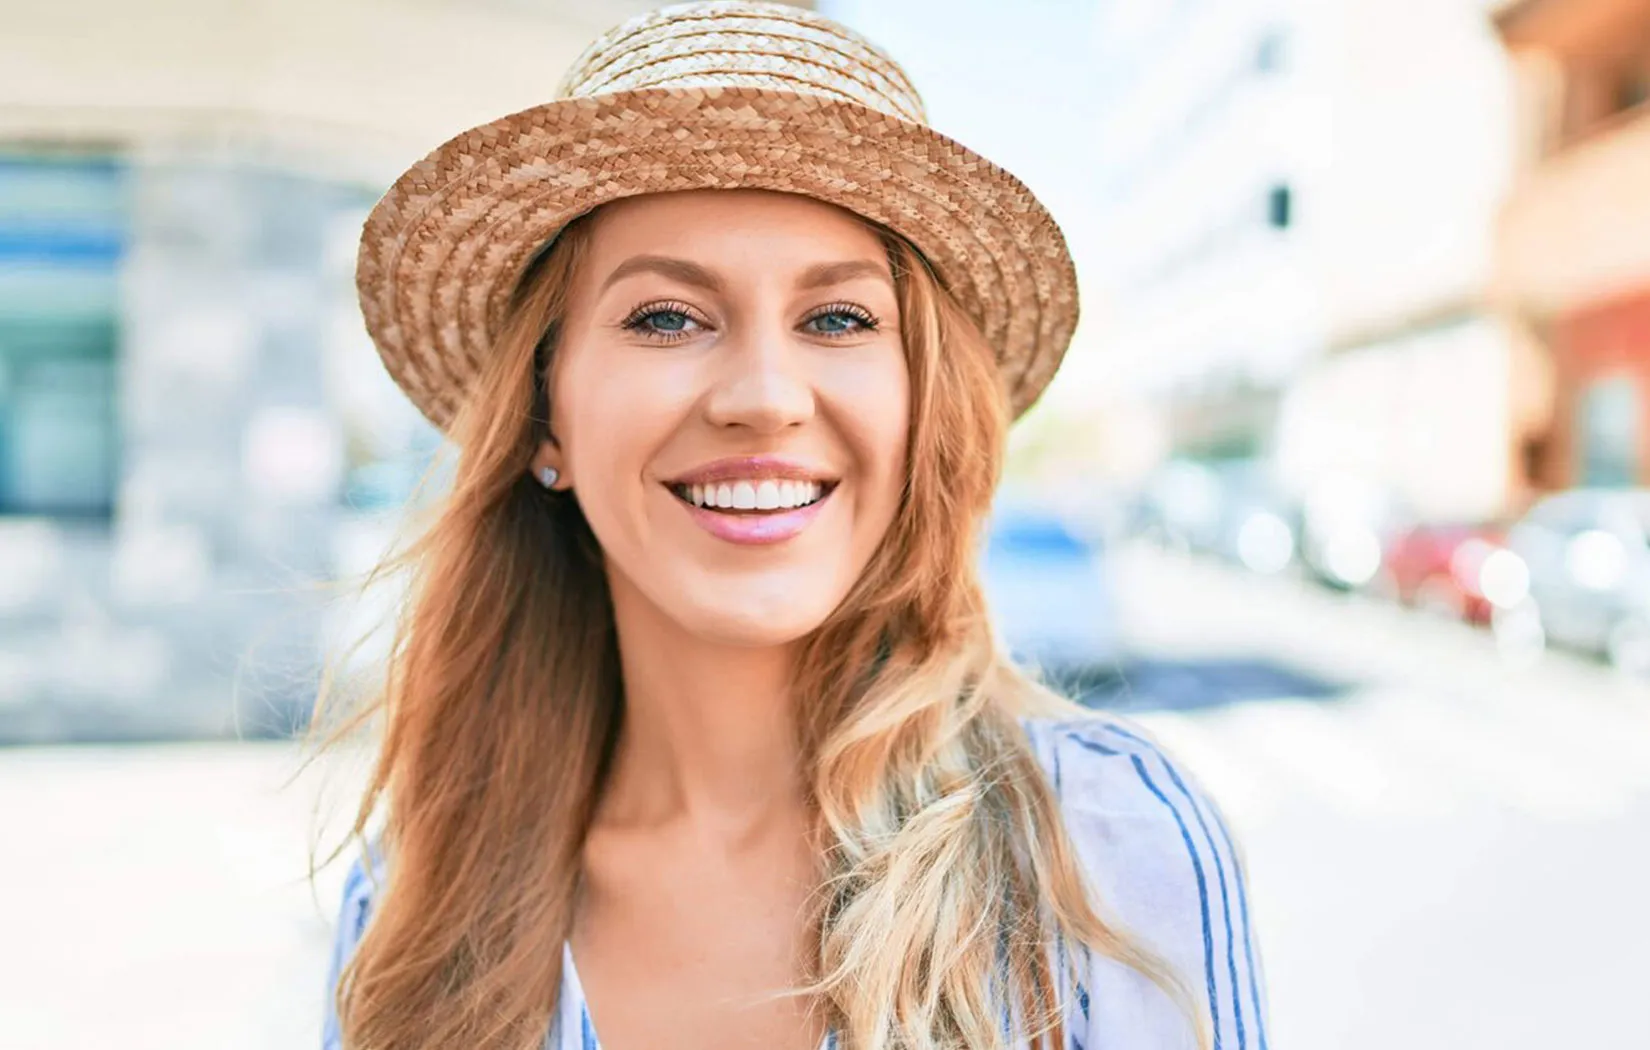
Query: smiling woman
{"x": 730, "y": 340}
{"x": 695, "y": 730}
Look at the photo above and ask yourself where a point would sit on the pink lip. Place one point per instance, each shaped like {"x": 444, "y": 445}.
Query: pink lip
{"x": 773, "y": 527}
{"x": 752, "y": 467}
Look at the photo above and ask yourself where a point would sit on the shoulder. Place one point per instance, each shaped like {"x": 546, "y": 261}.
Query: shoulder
{"x": 1104, "y": 765}
{"x": 1140, "y": 821}
{"x": 361, "y": 884}
{"x": 1160, "y": 861}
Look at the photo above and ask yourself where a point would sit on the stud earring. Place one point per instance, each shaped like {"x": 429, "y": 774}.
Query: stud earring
{"x": 548, "y": 476}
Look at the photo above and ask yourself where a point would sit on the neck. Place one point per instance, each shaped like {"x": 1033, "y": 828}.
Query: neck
{"x": 709, "y": 731}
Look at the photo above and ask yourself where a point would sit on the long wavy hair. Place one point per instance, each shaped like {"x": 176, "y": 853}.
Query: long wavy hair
{"x": 947, "y": 882}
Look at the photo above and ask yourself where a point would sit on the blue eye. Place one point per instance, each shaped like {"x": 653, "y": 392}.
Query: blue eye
{"x": 662, "y": 321}
{"x": 835, "y": 322}
{"x": 841, "y": 320}
{"x": 667, "y": 321}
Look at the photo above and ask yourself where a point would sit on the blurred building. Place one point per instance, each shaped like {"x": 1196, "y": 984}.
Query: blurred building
{"x": 1300, "y": 200}
{"x": 194, "y": 430}
{"x": 1203, "y": 142}
{"x": 1574, "y": 249}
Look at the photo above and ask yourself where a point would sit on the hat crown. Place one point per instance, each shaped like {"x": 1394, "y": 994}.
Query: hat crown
{"x": 739, "y": 43}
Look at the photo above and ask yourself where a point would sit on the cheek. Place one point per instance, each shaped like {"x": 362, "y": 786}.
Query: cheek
{"x": 876, "y": 416}
{"x": 608, "y": 418}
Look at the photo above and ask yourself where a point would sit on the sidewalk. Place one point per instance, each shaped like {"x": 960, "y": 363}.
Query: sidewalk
{"x": 156, "y": 899}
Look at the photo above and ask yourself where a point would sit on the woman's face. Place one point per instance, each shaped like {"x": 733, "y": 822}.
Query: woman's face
{"x": 731, "y": 401}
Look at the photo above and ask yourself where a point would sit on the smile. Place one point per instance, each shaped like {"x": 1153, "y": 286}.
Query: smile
{"x": 758, "y": 500}
{"x": 766, "y": 494}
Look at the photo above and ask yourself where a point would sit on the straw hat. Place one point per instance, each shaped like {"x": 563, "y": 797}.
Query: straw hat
{"x": 717, "y": 95}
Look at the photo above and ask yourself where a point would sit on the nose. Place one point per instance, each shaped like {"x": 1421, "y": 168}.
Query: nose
{"x": 762, "y": 384}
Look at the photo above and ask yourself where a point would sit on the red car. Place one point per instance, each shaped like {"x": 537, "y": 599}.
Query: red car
{"x": 1460, "y": 571}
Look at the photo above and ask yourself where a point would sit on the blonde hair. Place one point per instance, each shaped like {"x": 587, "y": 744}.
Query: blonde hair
{"x": 948, "y": 880}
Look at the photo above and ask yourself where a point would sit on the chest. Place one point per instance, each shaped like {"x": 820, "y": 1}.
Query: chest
{"x": 694, "y": 950}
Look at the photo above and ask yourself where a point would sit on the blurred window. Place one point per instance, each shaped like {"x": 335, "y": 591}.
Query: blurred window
{"x": 1280, "y": 207}
{"x": 1535, "y": 458}
{"x": 57, "y": 433}
{"x": 62, "y": 232}
{"x": 1272, "y": 51}
{"x": 1610, "y": 433}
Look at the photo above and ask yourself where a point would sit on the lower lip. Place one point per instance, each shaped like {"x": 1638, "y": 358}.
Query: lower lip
{"x": 755, "y": 529}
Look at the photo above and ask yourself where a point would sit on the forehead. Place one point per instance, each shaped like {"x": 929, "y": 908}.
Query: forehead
{"x": 732, "y": 227}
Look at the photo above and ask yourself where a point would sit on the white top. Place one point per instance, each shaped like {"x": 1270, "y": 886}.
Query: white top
{"x": 1159, "y": 858}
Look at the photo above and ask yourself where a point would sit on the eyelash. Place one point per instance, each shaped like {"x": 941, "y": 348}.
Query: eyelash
{"x": 637, "y": 321}
{"x": 867, "y": 320}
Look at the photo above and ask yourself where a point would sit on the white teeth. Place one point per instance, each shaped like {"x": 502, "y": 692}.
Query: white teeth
{"x": 766, "y": 494}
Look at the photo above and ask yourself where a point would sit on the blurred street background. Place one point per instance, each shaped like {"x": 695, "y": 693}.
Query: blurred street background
{"x": 1344, "y": 491}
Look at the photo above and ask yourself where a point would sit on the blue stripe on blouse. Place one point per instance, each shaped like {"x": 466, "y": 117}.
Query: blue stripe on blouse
{"x": 1202, "y": 895}
{"x": 1220, "y": 868}
{"x": 587, "y": 1031}
{"x": 1248, "y": 942}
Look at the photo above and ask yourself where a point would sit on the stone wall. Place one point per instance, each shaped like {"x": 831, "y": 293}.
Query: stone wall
{"x": 194, "y": 609}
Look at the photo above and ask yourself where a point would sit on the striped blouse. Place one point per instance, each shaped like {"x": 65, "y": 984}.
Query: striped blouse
{"x": 1159, "y": 857}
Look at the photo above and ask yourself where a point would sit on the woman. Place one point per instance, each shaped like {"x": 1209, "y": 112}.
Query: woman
{"x": 695, "y": 733}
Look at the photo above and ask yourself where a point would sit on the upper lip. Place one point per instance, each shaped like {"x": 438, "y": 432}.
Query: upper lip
{"x": 752, "y": 468}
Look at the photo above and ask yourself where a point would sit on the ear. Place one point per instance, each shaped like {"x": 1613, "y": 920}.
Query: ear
{"x": 548, "y": 456}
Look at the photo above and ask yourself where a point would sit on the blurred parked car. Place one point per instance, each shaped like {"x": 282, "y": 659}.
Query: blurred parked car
{"x": 1345, "y": 522}
{"x": 1232, "y": 509}
{"x": 1050, "y": 595}
{"x": 1255, "y": 525}
{"x": 1178, "y": 504}
{"x": 1588, "y": 553}
{"x": 1464, "y": 572}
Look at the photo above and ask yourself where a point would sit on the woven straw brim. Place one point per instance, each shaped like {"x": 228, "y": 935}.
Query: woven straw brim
{"x": 444, "y": 249}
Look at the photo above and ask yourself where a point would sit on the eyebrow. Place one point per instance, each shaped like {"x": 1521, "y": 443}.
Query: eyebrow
{"x": 820, "y": 275}
{"x": 676, "y": 269}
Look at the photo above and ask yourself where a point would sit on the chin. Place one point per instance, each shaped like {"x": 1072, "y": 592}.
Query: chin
{"x": 755, "y": 621}
{"x": 749, "y": 608}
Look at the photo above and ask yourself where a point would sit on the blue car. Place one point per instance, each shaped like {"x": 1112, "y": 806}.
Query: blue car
{"x": 1050, "y": 597}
